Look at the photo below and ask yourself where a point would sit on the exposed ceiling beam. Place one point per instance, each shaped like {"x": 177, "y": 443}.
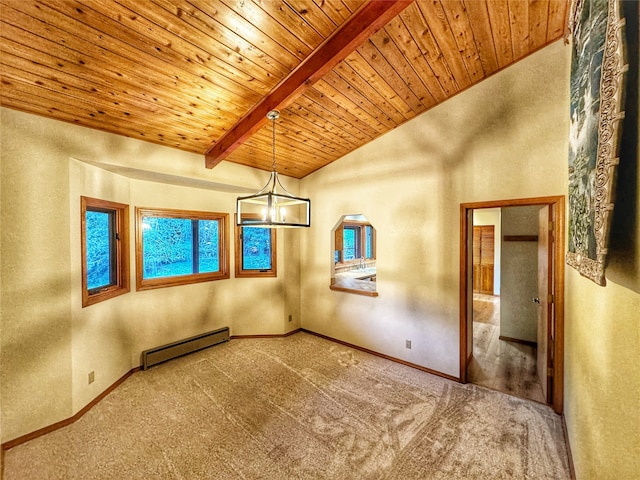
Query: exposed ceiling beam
{"x": 365, "y": 22}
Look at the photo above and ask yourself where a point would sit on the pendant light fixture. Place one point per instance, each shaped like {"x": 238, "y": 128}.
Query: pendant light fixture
{"x": 273, "y": 206}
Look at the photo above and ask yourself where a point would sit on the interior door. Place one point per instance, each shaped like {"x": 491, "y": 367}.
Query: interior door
{"x": 483, "y": 259}
{"x": 545, "y": 303}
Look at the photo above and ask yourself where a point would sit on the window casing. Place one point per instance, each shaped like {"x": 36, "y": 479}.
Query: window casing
{"x": 179, "y": 247}
{"x": 105, "y": 249}
{"x": 255, "y": 251}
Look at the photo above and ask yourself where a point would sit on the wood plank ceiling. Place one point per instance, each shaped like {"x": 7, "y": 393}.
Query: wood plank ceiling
{"x": 182, "y": 73}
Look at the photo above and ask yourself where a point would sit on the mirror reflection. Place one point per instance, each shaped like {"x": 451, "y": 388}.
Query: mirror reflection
{"x": 354, "y": 255}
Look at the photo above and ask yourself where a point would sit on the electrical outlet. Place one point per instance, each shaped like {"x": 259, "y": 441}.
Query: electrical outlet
{"x": 92, "y": 377}
{"x": 407, "y": 344}
{"x": 290, "y": 318}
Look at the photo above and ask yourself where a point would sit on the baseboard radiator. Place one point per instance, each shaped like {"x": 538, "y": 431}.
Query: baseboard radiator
{"x": 172, "y": 350}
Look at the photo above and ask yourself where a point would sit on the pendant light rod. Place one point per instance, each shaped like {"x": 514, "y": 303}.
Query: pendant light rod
{"x": 273, "y": 206}
{"x": 273, "y": 115}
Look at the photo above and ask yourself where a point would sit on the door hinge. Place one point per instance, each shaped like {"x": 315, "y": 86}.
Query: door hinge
{"x": 550, "y": 298}
{"x": 550, "y": 372}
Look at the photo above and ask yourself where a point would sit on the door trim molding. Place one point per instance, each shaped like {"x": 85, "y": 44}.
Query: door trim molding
{"x": 557, "y": 206}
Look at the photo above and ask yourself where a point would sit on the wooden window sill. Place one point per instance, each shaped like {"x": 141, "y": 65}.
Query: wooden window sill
{"x": 366, "y": 293}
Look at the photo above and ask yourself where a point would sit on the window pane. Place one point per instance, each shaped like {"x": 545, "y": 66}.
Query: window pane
{"x": 255, "y": 251}
{"x": 104, "y": 242}
{"x": 256, "y": 248}
{"x": 209, "y": 259}
{"x": 369, "y": 246}
{"x": 179, "y": 247}
{"x": 349, "y": 248}
{"x": 100, "y": 258}
{"x": 167, "y": 244}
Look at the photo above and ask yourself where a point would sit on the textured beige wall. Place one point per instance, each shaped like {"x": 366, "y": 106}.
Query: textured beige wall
{"x": 602, "y": 383}
{"x": 501, "y": 139}
{"x": 36, "y": 310}
{"x": 49, "y": 342}
{"x": 104, "y": 324}
{"x": 602, "y": 333}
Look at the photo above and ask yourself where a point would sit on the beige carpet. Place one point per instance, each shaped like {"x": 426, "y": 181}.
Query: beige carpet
{"x": 299, "y": 407}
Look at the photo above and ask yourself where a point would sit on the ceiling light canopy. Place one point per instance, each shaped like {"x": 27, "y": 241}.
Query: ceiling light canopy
{"x": 273, "y": 206}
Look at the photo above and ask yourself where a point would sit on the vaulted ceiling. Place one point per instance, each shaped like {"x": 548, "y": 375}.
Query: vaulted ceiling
{"x": 200, "y": 75}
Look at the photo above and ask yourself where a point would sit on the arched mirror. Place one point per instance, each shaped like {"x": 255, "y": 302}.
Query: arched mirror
{"x": 354, "y": 256}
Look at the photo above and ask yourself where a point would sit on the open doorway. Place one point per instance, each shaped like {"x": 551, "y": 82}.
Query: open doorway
{"x": 510, "y": 352}
{"x": 504, "y": 347}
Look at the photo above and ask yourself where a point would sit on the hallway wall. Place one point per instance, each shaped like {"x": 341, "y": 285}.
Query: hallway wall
{"x": 518, "y": 313}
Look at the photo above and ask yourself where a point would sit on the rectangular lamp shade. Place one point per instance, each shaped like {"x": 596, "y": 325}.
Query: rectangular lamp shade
{"x": 273, "y": 210}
